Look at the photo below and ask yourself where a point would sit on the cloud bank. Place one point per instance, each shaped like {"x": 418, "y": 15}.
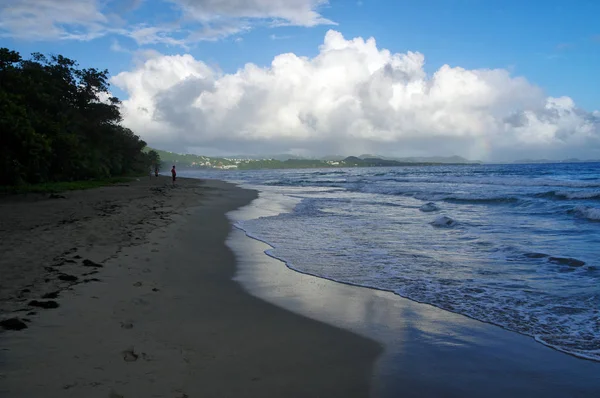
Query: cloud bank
{"x": 352, "y": 98}
{"x": 182, "y": 22}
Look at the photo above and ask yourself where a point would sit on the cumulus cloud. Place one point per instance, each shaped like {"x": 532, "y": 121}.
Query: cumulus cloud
{"x": 349, "y": 99}
{"x": 183, "y": 21}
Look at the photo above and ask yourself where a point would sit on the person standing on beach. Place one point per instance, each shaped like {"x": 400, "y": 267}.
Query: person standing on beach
{"x": 174, "y": 174}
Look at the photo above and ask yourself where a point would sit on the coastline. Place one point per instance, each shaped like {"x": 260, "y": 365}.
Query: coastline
{"x": 429, "y": 352}
{"x": 166, "y": 319}
{"x": 195, "y": 308}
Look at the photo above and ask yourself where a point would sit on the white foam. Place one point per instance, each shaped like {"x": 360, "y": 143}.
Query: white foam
{"x": 579, "y": 194}
{"x": 443, "y": 221}
{"x": 429, "y": 207}
{"x": 508, "y": 180}
{"x": 591, "y": 213}
{"x": 352, "y": 236}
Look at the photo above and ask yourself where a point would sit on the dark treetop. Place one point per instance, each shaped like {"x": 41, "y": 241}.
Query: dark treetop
{"x": 60, "y": 123}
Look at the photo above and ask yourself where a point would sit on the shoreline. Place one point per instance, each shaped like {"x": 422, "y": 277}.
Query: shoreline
{"x": 268, "y": 252}
{"x": 293, "y": 269}
{"x": 197, "y": 308}
{"x": 166, "y": 319}
{"x": 428, "y": 351}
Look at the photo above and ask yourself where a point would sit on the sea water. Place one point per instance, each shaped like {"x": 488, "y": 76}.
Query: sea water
{"x": 513, "y": 245}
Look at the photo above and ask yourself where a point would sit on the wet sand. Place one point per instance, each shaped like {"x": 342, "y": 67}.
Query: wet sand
{"x": 192, "y": 308}
{"x": 429, "y": 352}
{"x": 162, "y": 316}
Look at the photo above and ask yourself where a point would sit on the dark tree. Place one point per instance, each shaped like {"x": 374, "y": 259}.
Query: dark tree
{"x": 154, "y": 158}
{"x": 59, "y": 123}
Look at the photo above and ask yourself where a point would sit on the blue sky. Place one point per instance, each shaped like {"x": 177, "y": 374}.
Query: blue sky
{"x": 554, "y": 45}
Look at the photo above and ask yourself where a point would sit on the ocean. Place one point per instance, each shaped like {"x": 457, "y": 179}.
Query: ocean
{"x": 516, "y": 246}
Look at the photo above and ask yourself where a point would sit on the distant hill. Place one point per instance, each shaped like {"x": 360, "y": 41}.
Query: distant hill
{"x": 355, "y": 161}
{"x": 190, "y": 161}
{"x": 282, "y": 157}
{"x": 332, "y": 157}
{"x": 570, "y": 160}
{"x": 423, "y": 159}
{"x": 369, "y": 155}
{"x": 439, "y": 159}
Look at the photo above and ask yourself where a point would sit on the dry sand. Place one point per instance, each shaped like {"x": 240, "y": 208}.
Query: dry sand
{"x": 41, "y": 238}
{"x": 164, "y": 318}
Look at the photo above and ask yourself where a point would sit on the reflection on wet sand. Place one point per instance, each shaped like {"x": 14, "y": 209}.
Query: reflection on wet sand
{"x": 429, "y": 352}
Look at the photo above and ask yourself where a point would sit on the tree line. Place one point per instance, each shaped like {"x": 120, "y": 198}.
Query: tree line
{"x": 59, "y": 122}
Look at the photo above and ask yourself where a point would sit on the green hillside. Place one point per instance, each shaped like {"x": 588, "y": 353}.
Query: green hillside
{"x": 189, "y": 161}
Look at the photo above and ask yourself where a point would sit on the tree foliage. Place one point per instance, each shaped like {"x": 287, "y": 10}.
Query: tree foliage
{"x": 154, "y": 158}
{"x": 60, "y": 123}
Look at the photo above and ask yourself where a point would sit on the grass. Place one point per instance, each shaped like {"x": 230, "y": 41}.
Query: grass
{"x": 55, "y": 187}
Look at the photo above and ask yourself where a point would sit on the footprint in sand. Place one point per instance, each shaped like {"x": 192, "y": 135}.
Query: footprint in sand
{"x": 146, "y": 357}
{"x": 130, "y": 355}
{"x": 51, "y": 295}
{"x": 90, "y": 273}
{"x": 13, "y": 324}
{"x": 126, "y": 325}
{"x": 140, "y": 301}
{"x": 90, "y": 263}
{"x": 67, "y": 278}
{"x": 44, "y": 304}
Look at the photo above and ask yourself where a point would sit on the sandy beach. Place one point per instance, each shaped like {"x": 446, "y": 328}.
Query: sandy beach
{"x": 157, "y": 295}
{"x": 146, "y": 306}
{"x": 428, "y": 352}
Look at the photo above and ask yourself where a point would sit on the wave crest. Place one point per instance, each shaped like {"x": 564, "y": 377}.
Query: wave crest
{"x": 591, "y": 213}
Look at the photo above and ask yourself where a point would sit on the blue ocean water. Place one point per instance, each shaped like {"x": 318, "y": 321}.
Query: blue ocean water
{"x": 513, "y": 245}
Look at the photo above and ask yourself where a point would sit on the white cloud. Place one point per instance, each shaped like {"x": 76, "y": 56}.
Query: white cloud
{"x": 220, "y": 30}
{"x": 140, "y": 57}
{"x": 183, "y": 21}
{"x": 289, "y": 12}
{"x": 52, "y": 19}
{"x": 117, "y": 47}
{"x": 155, "y": 35}
{"x": 277, "y": 37}
{"x": 350, "y": 99}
